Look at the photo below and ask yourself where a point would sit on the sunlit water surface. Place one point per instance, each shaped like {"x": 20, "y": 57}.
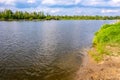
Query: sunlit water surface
{"x": 44, "y": 50}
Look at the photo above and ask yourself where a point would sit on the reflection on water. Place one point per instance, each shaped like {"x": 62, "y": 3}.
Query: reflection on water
{"x": 45, "y": 50}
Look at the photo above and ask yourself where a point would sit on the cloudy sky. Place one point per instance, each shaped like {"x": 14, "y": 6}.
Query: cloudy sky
{"x": 64, "y": 7}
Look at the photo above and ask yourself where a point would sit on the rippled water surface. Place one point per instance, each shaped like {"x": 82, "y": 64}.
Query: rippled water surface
{"x": 43, "y": 50}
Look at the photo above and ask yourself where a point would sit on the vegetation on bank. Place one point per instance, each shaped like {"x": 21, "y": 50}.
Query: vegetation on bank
{"x": 106, "y": 41}
{"x": 19, "y": 15}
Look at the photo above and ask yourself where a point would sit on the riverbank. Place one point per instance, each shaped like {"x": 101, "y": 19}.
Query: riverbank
{"x": 9, "y": 15}
{"x": 103, "y": 61}
{"x": 108, "y": 69}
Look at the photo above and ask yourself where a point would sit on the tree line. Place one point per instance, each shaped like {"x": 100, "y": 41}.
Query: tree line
{"x": 19, "y": 15}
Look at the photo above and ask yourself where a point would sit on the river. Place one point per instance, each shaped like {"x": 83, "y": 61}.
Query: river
{"x": 44, "y": 50}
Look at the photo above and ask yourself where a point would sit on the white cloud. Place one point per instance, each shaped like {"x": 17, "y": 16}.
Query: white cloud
{"x": 60, "y": 2}
{"x": 48, "y": 2}
{"x": 8, "y": 2}
{"x": 102, "y": 3}
{"x": 92, "y": 7}
{"x": 110, "y": 3}
{"x": 55, "y": 11}
{"x": 110, "y": 11}
{"x": 77, "y": 1}
{"x": 31, "y": 1}
{"x": 95, "y": 2}
{"x": 114, "y": 3}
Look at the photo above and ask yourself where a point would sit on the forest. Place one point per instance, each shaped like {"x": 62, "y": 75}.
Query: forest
{"x": 20, "y": 15}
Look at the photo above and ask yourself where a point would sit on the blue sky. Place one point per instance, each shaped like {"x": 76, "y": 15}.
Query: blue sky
{"x": 65, "y": 7}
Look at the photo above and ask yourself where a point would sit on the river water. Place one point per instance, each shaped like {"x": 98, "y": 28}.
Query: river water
{"x": 44, "y": 50}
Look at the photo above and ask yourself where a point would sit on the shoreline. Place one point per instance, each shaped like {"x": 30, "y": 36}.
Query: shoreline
{"x": 53, "y": 19}
{"x": 103, "y": 62}
{"x": 107, "y": 69}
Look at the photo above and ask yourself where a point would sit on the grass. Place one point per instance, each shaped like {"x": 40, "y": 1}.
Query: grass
{"x": 108, "y": 35}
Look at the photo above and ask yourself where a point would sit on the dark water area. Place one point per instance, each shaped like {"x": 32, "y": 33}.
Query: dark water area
{"x": 44, "y": 50}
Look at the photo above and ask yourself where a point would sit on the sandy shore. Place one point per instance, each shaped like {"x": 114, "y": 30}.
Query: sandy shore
{"x": 108, "y": 69}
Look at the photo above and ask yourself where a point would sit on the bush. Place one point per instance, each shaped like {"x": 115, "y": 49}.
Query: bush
{"x": 107, "y": 35}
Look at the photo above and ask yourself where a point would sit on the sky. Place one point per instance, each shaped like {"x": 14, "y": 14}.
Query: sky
{"x": 65, "y": 7}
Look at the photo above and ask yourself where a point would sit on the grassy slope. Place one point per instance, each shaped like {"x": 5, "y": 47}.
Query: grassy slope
{"x": 106, "y": 41}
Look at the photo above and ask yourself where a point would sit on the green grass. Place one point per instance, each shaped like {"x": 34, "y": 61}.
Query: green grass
{"x": 107, "y": 35}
